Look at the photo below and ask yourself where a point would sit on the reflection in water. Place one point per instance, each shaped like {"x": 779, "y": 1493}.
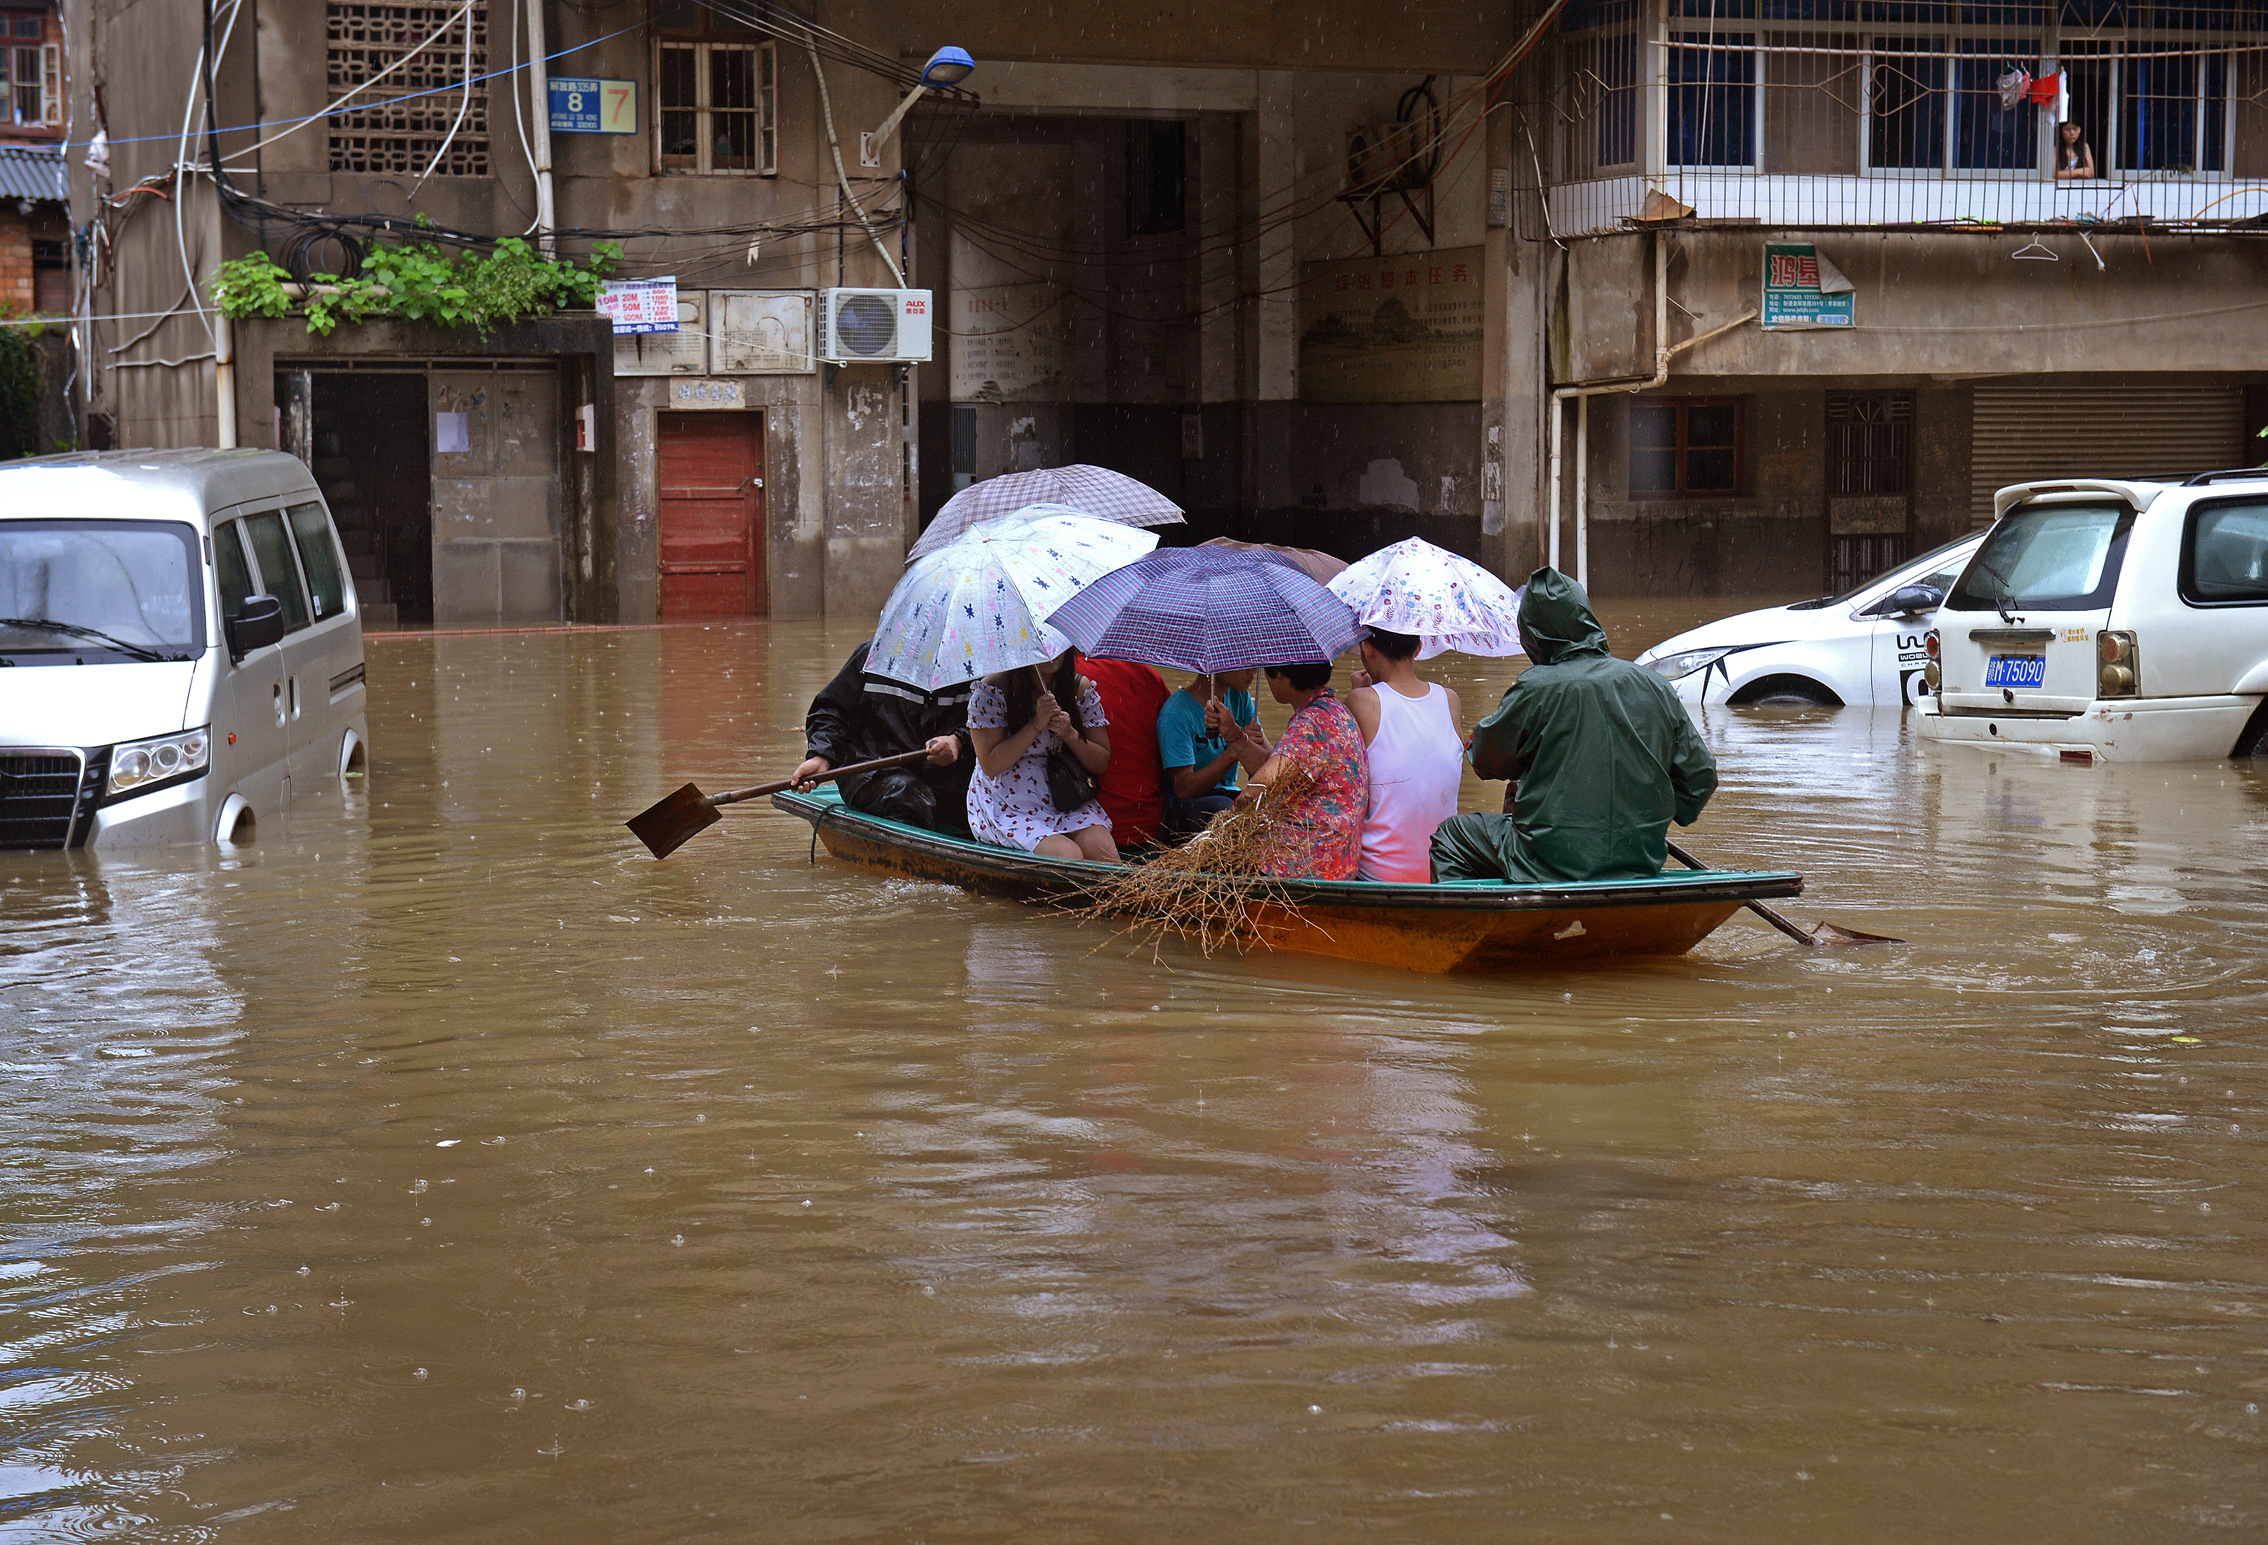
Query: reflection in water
{"x": 444, "y": 1168}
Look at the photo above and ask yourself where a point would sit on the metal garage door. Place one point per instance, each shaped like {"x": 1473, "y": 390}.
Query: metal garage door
{"x": 2037, "y": 428}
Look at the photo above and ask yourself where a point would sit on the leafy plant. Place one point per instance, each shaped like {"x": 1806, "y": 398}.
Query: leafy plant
{"x": 19, "y": 394}
{"x": 419, "y": 282}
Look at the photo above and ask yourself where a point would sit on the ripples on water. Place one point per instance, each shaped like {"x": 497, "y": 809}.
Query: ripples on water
{"x": 444, "y": 1168}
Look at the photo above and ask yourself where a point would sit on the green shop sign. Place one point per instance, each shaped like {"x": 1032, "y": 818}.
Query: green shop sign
{"x": 1802, "y": 289}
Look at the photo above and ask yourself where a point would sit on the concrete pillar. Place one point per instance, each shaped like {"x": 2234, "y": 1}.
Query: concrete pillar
{"x": 1271, "y": 171}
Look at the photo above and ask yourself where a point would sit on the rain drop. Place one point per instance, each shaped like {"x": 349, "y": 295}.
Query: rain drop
{"x": 418, "y": 1374}
{"x": 677, "y": 1239}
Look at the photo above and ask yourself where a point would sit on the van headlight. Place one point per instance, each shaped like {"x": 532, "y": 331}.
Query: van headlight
{"x": 141, "y": 763}
{"x": 1685, "y": 663}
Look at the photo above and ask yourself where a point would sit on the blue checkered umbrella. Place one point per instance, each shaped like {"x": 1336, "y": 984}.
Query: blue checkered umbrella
{"x": 1205, "y": 609}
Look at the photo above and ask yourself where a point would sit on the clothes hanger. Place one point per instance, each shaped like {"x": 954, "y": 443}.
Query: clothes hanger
{"x": 2044, "y": 255}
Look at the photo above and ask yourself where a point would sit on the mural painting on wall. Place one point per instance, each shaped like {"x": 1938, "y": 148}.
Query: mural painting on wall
{"x": 1394, "y": 329}
{"x": 1008, "y": 343}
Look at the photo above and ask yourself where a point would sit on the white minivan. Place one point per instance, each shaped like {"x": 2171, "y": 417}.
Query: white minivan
{"x": 2112, "y": 619}
{"x": 180, "y": 653}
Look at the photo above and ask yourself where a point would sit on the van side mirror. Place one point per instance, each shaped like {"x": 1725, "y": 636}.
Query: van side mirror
{"x": 1912, "y": 599}
{"x": 256, "y": 626}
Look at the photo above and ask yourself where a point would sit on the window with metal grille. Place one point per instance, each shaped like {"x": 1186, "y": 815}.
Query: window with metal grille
{"x": 420, "y": 114}
{"x": 1870, "y": 443}
{"x": 1684, "y": 447}
{"x": 719, "y": 107}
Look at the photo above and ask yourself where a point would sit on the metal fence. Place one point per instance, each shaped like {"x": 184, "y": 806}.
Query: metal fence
{"x": 1891, "y": 123}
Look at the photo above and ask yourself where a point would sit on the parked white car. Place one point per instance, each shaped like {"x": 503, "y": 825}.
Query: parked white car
{"x": 1863, "y": 648}
{"x": 180, "y": 654}
{"x": 2112, "y": 619}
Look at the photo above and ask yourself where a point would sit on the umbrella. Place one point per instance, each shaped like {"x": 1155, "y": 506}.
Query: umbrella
{"x": 975, "y": 605}
{"x": 1095, "y": 491}
{"x": 1203, "y": 609}
{"x": 1448, "y": 602}
{"x": 1320, "y": 567}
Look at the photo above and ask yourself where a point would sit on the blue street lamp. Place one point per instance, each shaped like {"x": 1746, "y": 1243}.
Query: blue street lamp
{"x": 949, "y": 66}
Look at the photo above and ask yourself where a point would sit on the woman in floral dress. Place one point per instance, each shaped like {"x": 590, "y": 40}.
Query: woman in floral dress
{"x": 1318, "y": 836}
{"x": 1015, "y": 719}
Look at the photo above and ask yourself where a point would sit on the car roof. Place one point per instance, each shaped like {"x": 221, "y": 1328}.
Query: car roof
{"x": 148, "y": 484}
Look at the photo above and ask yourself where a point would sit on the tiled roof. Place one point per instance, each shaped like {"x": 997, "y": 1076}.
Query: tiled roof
{"x": 31, "y": 171}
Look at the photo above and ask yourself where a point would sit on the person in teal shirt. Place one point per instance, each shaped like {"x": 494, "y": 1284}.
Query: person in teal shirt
{"x": 1206, "y": 731}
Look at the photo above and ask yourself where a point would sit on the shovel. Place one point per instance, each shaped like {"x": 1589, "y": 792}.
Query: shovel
{"x": 1822, "y": 935}
{"x": 664, "y": 827}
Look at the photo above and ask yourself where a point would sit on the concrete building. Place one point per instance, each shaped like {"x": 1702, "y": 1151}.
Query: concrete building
{"x": 1330, "y": 277}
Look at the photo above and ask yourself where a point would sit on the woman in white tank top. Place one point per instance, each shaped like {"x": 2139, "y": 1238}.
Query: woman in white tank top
{"x": 1417, "y": 759}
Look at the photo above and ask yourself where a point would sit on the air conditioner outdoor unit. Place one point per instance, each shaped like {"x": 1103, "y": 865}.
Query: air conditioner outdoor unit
{"x": 873, "y": 327}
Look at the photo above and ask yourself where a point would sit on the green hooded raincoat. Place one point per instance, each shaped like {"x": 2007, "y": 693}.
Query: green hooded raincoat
{"x": 1604, "y": 753}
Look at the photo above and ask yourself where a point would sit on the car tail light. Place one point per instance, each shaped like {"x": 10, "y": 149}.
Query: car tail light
{"x": 2120, "y": 674}
{"x": 1930, "y": 645}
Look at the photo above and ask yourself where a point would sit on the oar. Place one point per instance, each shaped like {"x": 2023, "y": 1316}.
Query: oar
{"x": 665, "y": 827}
{"x": 1821, "y": 935}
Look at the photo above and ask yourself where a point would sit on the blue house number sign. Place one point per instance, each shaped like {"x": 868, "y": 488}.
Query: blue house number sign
{"x": 582, "y": 105}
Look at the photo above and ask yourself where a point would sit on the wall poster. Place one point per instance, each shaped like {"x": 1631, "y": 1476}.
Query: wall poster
{"x": 1008, "y": 343}
{"x": 1802, "y": 289}
{"x": 1393, "y": 329}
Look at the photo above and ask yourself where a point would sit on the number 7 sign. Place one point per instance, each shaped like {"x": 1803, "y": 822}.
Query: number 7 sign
{"x": 618, "y": 110}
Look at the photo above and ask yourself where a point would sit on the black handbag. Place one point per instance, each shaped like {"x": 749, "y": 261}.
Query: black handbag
{"x": 1069, "y": 784}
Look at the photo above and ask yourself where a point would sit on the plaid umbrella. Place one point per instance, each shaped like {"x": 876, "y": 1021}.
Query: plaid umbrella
{"x": 974, "y": 606}
{"x": 1446, "y": 601}
{"x": 1096, "y": 491}
{"x": 1206, "y": 609}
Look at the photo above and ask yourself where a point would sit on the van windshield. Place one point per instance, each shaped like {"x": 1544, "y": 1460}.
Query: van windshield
{"x": 2046, "y": 558}
{"x": 111, "y": 589}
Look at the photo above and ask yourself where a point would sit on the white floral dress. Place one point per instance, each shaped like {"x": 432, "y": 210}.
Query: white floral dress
{"x": 1015, "y": 810}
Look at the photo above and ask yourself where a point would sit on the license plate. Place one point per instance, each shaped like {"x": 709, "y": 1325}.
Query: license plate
{"x": 2015, "y": 670}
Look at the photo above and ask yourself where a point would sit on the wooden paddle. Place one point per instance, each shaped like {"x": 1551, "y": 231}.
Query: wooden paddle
{"x": 665, "y": 826}
{"x": 1823, "y": 935}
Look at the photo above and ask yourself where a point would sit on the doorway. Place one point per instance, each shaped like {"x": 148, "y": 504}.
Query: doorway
{"x": 710, "y": 469}
{"x": 370, "y": 456}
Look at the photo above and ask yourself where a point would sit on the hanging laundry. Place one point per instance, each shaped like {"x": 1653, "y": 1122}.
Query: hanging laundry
{"x": 2013, "y": 87}
{"x": 2047, "y": 89}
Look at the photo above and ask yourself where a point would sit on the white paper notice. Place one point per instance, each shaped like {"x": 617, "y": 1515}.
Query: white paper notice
{"x": 452, "y": 434}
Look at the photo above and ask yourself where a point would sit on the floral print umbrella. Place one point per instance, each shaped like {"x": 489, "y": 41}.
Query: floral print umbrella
{"x": 1448, "y": 602}
{"x": 973, "y": 607}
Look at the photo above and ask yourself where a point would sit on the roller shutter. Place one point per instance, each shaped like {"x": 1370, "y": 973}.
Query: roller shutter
{"x": 2036, "y": 429}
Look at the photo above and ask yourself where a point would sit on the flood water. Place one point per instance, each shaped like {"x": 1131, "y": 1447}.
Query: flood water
{"x": 443, "y": 1168}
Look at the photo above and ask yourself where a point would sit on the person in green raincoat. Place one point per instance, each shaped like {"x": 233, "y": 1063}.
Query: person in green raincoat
{"x": 1602, "y": 752}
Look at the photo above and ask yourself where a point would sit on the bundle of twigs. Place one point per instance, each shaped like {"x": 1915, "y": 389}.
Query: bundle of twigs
{"x": 1211, "y": 889}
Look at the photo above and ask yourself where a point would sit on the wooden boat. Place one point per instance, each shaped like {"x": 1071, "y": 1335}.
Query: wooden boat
{"x": 1465, "y": 925}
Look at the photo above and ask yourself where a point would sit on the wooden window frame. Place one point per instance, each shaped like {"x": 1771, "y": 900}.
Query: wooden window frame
{"x": 1684, "y": 407}
{"x": 703, "y": 47}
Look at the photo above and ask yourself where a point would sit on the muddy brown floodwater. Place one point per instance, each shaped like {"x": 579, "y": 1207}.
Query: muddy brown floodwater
{"x": 443, "y": 1168}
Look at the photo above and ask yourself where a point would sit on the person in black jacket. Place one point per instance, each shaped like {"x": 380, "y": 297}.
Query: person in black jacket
{"x": 860, "y": 716}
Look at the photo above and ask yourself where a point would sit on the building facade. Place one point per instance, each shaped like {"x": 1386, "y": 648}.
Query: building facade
{"x": 1688, "y": 295}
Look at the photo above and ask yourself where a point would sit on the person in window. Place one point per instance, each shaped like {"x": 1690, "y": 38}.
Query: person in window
{"x": 2074, "y": 157}
{"x": 1318, "y": 834}
{"x": 1206, "y": 731}
{"x": 1017, "y": 719}
{"x": 1602, "y": 754}
{"x": 860, "y": 716}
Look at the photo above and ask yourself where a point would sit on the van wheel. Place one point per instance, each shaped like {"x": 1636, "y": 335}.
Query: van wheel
{"x": 1785, "y": 692}
{"x": 237, "y": 823}
{"x": 2254, "y": 740}
{"x": 354, "y": 757}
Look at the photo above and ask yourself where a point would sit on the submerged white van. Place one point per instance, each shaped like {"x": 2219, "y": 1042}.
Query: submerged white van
{"x": 180, "y": 654}
{"x": 2110, "y": 618}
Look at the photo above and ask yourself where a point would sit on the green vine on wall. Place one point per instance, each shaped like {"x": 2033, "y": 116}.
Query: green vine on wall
{"x": 19, "y": 394}
{"x": 418, "y": 282}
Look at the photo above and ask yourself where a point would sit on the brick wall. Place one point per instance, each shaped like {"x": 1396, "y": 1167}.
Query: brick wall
{"x": 16, "y": 293}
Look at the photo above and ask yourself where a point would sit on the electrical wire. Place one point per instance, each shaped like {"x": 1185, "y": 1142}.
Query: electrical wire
{"x": 465, "y": 106}
{"x": 834, "y": 147}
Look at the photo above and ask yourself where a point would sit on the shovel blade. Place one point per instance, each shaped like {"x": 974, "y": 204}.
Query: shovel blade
{"x": 665, "y": 826}
{"x": 1827, "y": 935}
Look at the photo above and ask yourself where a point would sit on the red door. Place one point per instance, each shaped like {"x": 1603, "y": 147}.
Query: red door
{"x": 711, "y": 468}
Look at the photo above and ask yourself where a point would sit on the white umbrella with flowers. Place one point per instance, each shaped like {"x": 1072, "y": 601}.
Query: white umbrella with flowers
{"x": 1445, "y": 601}
{"x": 975, "y": 606}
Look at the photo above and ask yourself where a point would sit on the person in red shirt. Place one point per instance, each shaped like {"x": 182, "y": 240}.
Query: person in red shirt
{"x": 1132, "y": 791}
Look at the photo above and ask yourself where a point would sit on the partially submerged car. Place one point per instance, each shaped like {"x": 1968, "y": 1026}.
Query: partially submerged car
{"x": 180, "y": 653}
{"x": 1863, "y": 648}
{"x": 2117, "y": 619}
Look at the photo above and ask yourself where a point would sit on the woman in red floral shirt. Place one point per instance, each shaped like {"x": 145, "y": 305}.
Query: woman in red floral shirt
{"x": 1318, "y": 835}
